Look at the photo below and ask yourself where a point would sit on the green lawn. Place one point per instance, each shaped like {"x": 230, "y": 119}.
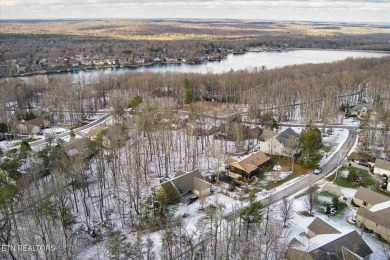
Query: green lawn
{"x": 368, "y": 180}
{"x": 326, "y": 148}
{"x": 321, "y": 207}
{"x": 285, "y": 163}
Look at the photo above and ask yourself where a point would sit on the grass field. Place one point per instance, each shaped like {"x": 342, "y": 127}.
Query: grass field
{"x": 368, "y": 180}
{"x": 323, "y": 203}
{"x": 286, "y": 165}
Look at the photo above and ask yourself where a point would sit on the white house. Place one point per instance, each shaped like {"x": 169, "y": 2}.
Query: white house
{"x": 33, "y": 126}
{"x": 285, "y": 143}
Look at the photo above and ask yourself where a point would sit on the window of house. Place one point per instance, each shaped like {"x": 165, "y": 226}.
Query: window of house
{"x": 364, "y": 203}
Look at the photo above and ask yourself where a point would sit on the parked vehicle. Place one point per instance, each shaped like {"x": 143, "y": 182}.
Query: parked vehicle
{"x": 364, "y": 163}
{"x": 318, "y": 170}
{"x": 192, "y": 199}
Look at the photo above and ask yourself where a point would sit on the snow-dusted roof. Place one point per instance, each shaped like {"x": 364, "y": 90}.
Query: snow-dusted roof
{"x": 380, "y": 217}
{"x": 185, "y": 182}
{"x": 330, "y": 246}
{"x": 370, "y": 196}
{"x": 324, "y": 239}
{"x": 248, "y": 163}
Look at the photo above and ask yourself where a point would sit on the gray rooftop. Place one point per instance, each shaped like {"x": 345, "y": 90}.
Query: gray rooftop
{"x": 289, "y": 138}
{"x": 320, "y": 227}
{"x": 333, "y": 250}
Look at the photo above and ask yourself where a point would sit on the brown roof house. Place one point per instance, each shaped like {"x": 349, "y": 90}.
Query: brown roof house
{"x": 324, "y": 242}
{"x": 33, "y": 126}
{"x": 374, "y": 214}
{"x": 184, "y": 183}
{"x": 247, "y": 165}
{"x": 285, "y": 143}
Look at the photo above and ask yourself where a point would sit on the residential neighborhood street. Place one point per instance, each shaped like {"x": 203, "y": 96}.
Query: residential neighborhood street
{"x": 77, "y": 130}
{"x": 335, "y": 160}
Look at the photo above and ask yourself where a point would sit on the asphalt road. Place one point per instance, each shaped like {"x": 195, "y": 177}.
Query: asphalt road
{"x": 76, "y": 130}
{"x": 335, "y": 160}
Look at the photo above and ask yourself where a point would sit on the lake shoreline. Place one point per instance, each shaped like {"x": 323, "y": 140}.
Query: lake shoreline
{"x": 220, "y": 66}
{"x": 349, "y": 50}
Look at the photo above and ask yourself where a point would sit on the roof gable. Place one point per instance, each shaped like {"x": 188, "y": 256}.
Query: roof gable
{"x": 370, "y": 196}
{"x": 288, "y": 132}
{"x": 39, "y": 121}
{"x": 380, "y": 217}
{"x": 249, "y": 162}
{"x": 267, "y": 134}
{"x": 185, "y": 181}
{"x": 360, "y": 106}
{"x": 288, "y": 138}
{"x": 319, "y": 227}
{"x": 200, "y": 184}
{"x": 333, "y": 250}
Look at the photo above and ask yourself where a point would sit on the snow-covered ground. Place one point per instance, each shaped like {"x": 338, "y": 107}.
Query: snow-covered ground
{"x": 299, "y": 223}
{"x": 336, "y": 140}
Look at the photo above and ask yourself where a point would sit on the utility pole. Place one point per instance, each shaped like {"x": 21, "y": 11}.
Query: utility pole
{"x": 338, "y": 164}
{"x": 292, "y": 166}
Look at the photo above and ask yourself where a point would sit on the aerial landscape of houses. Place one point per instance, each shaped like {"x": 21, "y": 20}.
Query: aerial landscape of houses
{"x": 195, "y": 130}
{"x": 285, "y": 144}
{"x": 322, "y": 241}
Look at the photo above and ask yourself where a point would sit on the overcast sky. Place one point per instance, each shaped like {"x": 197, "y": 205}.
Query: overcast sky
{"x": 299, "y": 10}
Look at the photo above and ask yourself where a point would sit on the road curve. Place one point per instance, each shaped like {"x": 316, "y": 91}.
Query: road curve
{"x": 76, "y": 130}
{"x": 335, "y": 160}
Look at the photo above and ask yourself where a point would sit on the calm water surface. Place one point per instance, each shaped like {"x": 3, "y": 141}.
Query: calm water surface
{"x": 270, "y": 60}
{"x": 249, "y": 60}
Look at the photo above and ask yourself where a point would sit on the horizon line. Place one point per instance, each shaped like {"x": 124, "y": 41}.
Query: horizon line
{"x": 192, "y": 19}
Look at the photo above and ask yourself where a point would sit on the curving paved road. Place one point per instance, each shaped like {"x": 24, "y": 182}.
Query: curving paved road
{"x": 335, "y": 160}
{"x": 76, "y": 130}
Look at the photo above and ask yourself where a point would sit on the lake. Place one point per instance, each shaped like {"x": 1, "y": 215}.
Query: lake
{"x": 270, "y": 60}
{"x": 249, "y": 60}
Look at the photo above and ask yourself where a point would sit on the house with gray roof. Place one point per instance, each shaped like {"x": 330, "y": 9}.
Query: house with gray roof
{"x": 328, "y": 243}
{"x": 360, "y": 110}
{"x": 187, "y": 182}
{"x": 285, "y": 143}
